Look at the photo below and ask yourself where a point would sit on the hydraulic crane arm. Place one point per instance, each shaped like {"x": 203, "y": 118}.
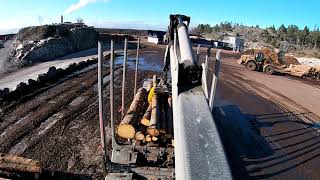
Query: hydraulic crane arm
{"x": 199, "y": 153}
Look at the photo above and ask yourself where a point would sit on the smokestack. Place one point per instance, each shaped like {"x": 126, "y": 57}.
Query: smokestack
{"x": 61, "y": 19}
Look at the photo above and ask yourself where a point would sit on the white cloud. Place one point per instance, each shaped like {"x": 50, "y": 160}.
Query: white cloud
{"x": 80, "y": 4}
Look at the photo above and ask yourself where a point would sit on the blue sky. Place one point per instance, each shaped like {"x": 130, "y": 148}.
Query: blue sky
{"x": 153, "y": 14}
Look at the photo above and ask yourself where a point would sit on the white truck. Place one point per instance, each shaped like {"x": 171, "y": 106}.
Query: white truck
{"x": 236, "y": 43}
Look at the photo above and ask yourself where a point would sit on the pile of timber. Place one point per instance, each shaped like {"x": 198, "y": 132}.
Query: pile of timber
{"x": 148, "y": 121}
{"x": 127, "y": 127}
{"x": 303, "y": 71}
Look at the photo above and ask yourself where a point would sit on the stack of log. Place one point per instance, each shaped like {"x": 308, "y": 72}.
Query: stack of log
{"x": 304, "y": 71}
{"x": 314, "y": 72}
{"x": 148, "y": 121}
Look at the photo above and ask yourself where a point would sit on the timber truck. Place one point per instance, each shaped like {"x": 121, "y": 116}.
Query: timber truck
{"x": 168, "y": 131}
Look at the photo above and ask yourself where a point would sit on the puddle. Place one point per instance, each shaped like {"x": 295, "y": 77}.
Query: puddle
{"x": 144, "y": 64}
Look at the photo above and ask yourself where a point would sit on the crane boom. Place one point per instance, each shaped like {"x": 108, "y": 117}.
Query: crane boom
{"x": 199, "y": 153}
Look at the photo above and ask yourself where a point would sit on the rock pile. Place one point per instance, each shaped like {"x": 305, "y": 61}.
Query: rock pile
{"x": 44, "y": 43}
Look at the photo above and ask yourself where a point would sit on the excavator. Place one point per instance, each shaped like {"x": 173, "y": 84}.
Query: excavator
{"x": 168, "y": 131}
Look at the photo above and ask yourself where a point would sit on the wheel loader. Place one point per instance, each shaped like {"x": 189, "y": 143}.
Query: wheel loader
{"x": 257, "y": 62}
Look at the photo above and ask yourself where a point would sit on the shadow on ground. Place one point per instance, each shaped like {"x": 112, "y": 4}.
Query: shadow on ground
{"x": 46, "y": 175}
{"x": 254, "y": 154}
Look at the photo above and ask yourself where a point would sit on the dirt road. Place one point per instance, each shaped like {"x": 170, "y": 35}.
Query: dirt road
{"x": 269, "y": 124}
{"x": 11, "y": 80}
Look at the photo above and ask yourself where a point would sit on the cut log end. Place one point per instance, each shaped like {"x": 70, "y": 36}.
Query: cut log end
{"x": 148, "y": 138}
{"x": 145, "y": 122}
{"x": 126, "y": 131}
{"x": 154, "y": 138}
{"x": 153, "y": 131}
{"x": 140, "y": 136}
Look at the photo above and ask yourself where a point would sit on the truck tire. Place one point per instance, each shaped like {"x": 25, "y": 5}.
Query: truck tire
{"x": 268, "y": 69}
{"x": 251, "y": 65}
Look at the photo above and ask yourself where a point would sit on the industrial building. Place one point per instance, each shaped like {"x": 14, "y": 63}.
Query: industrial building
{"x": 236, "y": 43}
{"x": 156, "y": 37}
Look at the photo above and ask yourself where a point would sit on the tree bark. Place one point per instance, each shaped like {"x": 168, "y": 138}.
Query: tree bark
{"x": 153, "y": 129}
{"x": 146, "y": 117}
{"x": 126, "y": 128}
{"x": 17, "y": 163}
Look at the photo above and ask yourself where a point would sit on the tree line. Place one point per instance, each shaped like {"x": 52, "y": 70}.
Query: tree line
{"x": 290, "y": 34}
{"x": 293, "y": 35}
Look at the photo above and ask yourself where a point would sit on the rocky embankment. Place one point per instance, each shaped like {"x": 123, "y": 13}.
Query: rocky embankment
{"x": 44, "y": 43}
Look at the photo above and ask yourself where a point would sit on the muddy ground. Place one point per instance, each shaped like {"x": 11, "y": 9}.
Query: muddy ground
{"x": 268, "y": 130}
{"x": 60, "y": 126}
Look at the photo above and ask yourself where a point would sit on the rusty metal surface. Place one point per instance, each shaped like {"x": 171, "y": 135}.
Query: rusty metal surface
{"x": 123, "y": 155}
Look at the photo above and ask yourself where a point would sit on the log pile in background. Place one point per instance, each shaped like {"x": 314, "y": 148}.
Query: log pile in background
{"x": 304, "y": 71}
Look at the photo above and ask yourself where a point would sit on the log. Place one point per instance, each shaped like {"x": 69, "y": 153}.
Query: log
{"x": 148, "y": 138}
{"x": 126, "y": 128}
{"x": 154, "y": 80}
{"x": 154, "y": 125}
{"x": 146, "y": 117}
{"x": 139, "y": 136}
{"x": 149, "y": 86}
{"x": 169, "y": 119}
{"x": 151, "y": 93}
{"x": 152, "y": 90}
{"x": 16, "y": 163}
{"x": 154, "y": 138}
